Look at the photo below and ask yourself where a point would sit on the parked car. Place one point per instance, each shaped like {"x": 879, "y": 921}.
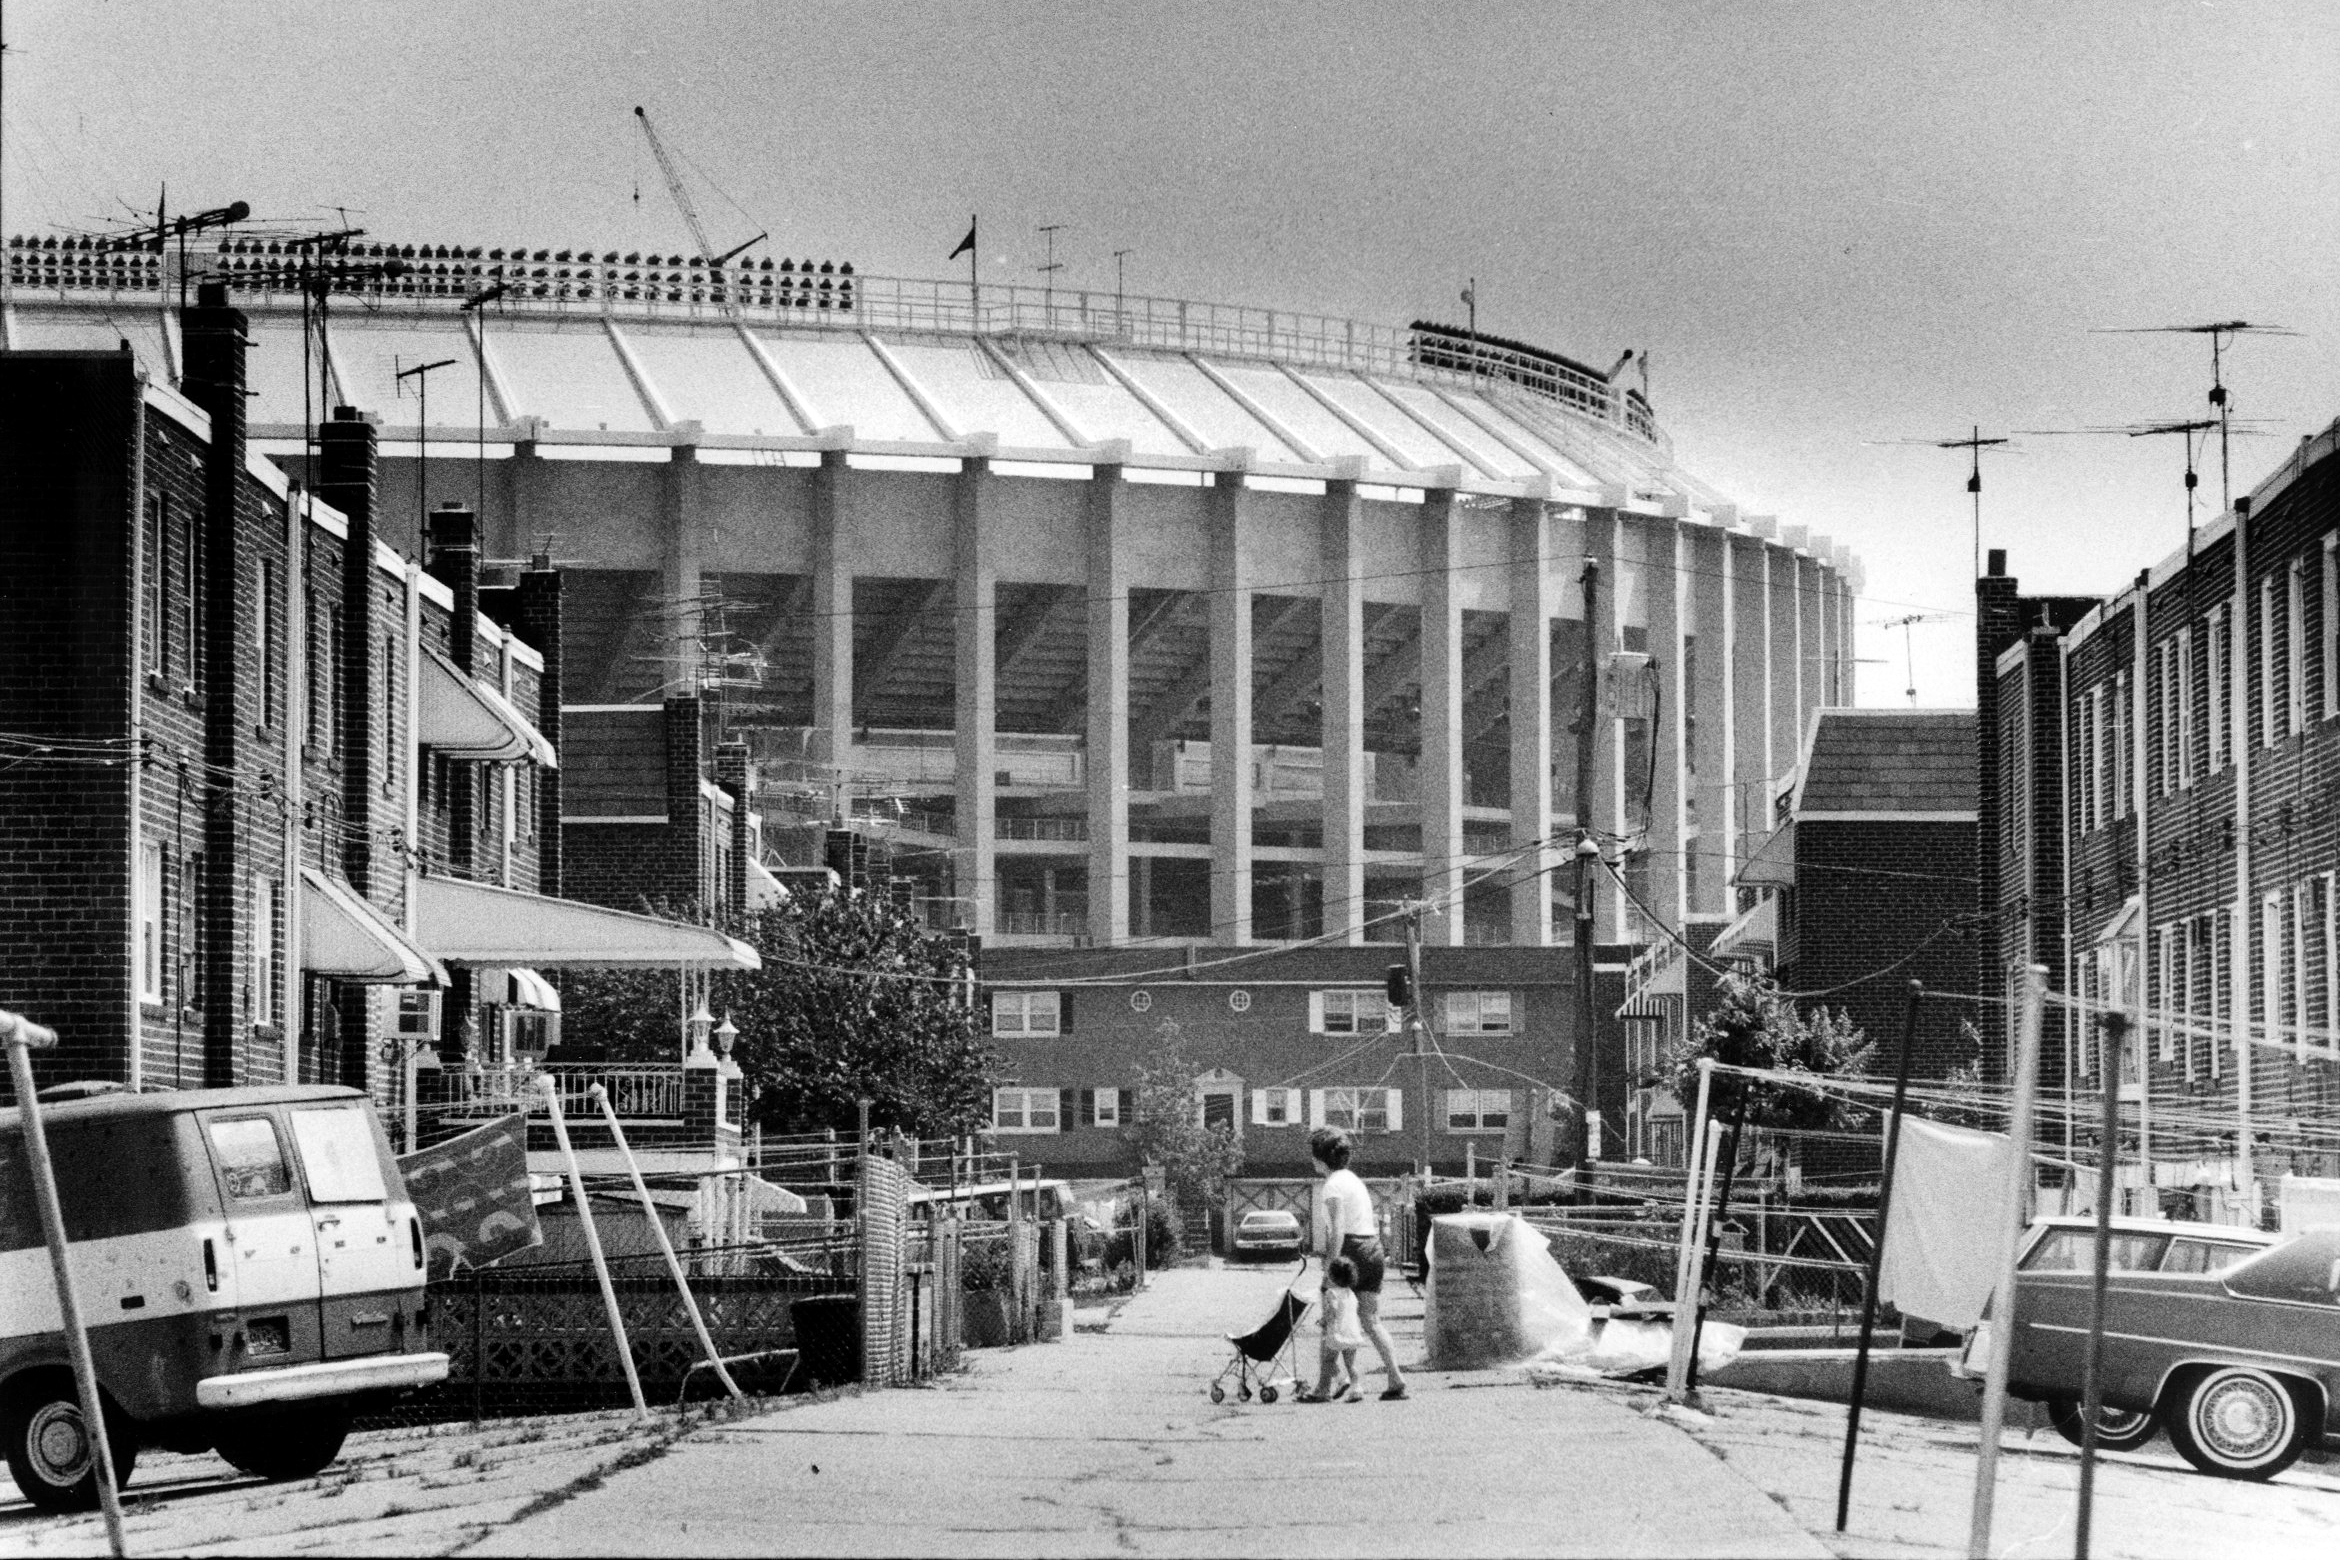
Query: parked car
{"x": 250, "y": 1268}
{"x": 2227, "y": 1338}
{"x": 1267, "y": 1232}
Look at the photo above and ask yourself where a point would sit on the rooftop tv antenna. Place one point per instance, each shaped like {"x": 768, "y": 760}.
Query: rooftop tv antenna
{"x": 1974, "y": 444}
{"x": 2221, "y": 334}
{"x": 690, "y": 213}
{"x": 2194, "y": 432}
{"x": 1909, "y": 646}
{"x": 1048, "y": 270}
{"x": 166, "y": 227}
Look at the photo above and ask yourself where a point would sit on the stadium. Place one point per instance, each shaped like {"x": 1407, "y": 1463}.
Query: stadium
{"x": 999, "y": 572}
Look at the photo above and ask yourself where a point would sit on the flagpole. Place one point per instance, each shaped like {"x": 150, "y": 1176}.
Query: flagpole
{"x": 975, "y": 268}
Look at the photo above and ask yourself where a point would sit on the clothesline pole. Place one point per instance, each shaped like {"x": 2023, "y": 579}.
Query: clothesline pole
{"x": 1860, "y": 1381}
{"x": 2108, "y": 1158}
{"x": 2015, "y": 1215}
{"x": 1685, "y": 1295}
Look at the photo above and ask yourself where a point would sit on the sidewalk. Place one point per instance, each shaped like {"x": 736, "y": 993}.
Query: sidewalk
{"x": 1107, "y": 1443}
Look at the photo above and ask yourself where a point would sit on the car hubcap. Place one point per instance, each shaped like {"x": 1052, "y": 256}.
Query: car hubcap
{"x": 2119, "y": 1422}
{"x": 59, "y": 1446}
{"x": 2244, "y": 1420}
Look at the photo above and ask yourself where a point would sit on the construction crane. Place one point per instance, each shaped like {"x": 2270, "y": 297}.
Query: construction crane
{"x": 1908, "y": 644}
{"x": 690, "y": 213}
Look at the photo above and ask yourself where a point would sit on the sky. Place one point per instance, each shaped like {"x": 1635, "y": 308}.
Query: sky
{"x": 1830, "y": 227}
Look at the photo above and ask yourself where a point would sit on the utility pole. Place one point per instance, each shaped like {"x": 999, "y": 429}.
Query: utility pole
{"x": 1588, "y": 1066}
{"x": 1048, "y": 271}
{"x": 1414, "y": 1019}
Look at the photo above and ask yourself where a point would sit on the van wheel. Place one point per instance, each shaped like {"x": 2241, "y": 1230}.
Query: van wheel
{"x": 2236, "y": 1423}
{"x": 291, "y": 1445}
{"x": 50, "y": 1453}
{"x": 2117, "y": 1429}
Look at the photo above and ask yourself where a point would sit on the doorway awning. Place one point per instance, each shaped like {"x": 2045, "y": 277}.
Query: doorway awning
{"x": 463, "y": 717}
{"x": 476, "y": 923}
{"x": 764, "y": 891}
{"x": 345, "y": 937}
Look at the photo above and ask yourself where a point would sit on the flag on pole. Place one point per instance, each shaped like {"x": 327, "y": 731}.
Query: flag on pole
{"x": 1470, "y": 297}
{"x": 965, "y": 244}
{"x": 472, "y": 1194}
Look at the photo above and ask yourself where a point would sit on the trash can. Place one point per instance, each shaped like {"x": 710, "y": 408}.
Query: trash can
{"x": 828, "y": 1338}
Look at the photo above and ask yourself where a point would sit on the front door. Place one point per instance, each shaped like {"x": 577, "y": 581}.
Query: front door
{"x": 364, "y": 1260}
{"x": 1219, "y": 1110}
{"x": 270, "y": 1267}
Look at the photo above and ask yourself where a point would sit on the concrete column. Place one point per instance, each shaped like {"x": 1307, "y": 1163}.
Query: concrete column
{"x": 975, "y": 690}
{"x": 1783, "y": 646}
{"x": 1604, "y": 808}
{"x": 1532, "y": 608}
{"x": 1108, "y": 783}
{"x": 1707, "y": 562}
{"x": 1847, "y": 642}
{"x": 1661, "y": 584}
{"x": 1811, "y": 642}
{"x": 831, "y": 608}
{"x": 1230, "y": 585}
{"x": 679, "y": 582}
{"x": 1441, "y": 773}
{"x": 1750, "y": 698}
{"x": 1342, "y": 661}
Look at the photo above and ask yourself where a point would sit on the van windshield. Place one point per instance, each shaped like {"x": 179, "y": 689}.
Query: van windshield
{"x": 337, "y": 1151}
{"x": 251, "y": 1161}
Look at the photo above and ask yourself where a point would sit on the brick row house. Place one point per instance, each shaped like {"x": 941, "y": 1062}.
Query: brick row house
{"x": 276, "y": 802}
{"x": 2168, "y": 801}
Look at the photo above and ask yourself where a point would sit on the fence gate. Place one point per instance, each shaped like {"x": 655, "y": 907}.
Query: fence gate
{"x": 882, "y": 1197}
{"x": 1295, "y": 1197}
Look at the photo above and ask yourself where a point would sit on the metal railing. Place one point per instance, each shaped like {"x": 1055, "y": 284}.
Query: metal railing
{"x": 838, "y": 299}
{"x": 652, "y": 1090}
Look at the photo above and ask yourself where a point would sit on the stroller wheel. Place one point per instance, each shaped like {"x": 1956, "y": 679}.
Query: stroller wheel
{"x": 1242, "y": 1394}
{"x": 1267, "y": 1394}
{"x": 1218, "y": 1393}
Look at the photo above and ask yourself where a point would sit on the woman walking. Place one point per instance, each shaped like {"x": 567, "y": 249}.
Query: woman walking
{"x": 1347, "y": 1228}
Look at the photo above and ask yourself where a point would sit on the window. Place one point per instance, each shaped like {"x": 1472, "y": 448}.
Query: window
{"x": 2331, "y": 1014}
{"x": 2218, "y": 675}
{"x": 153, "y": 571}
{"x": 1478, "y": 1110}
{"x": 267, "y": 638}
{"x": 329, "y": 666}
{"x": 1360, "y": 1110}
{"x": 251, "y": 1161}
{"x": 2330, "y": 623}
{"x": 2092, "y": 775}
{"x": 1105, "y": 1109}
{"x": 1275, "y": 1107}
{"x": 190, "y": 607}
{"x": 338, "y": 1154}
{"x": 2123, "y": 747}
{"x": 2271, "y": 982}
{"x": 2064, "y": 1249}
{"x": 264, "y": 946}
{"x": 1478, "y": 1012}
{"x": 1026, "y": 1013}
{"x": 2166, "y": 708}
{"x": 1023, "y": 1110}
{"x": 1350, "y": 1012}
{"x": 2295, "y": 650}
{"x": 2185, "y": 706}
{"x": 2161, "y": 986}
{"x": 150, "y": 920}
{"x": 2269, "y": 733}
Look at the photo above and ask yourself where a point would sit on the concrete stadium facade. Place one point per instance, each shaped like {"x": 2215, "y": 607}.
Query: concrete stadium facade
{"x": 1005, "y": 571}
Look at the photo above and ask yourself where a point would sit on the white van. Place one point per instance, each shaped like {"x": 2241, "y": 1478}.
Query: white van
{"x": 250, "y": 1269}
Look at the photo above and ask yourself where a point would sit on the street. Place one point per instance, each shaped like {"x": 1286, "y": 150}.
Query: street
{"x": 1107, "y": 1444}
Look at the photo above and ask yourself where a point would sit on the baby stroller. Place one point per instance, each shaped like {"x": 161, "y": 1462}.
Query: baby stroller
{"x": 1257, "y": 1351}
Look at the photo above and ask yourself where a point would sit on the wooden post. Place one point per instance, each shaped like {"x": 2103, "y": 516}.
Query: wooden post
{"x": 2013, "y": 1218}
{"x": 665, "y": 1246}
{"x": 1860, "y": 1381}
{"x": 1685, "y": 1263}
{"x": 2108, "y": 1157}
{"x": 617, "y": 1321}
{"x": 22, "y": 1035}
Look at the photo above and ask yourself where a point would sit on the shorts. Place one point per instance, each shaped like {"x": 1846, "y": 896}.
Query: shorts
{"x": 1365, "y": 1251}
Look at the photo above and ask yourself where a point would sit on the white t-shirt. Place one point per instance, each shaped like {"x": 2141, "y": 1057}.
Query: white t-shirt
{"x": 1348, "y": 1208}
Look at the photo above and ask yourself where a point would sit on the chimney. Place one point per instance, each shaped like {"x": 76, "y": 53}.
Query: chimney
{"x": 346, "y": 479}
{"x": 213, "y": 333}
{"x": 452, "y": 539}
{"x": 1995, "y": 564}
{"x": 734, "y": 773}
{"x": 688, "y": 850}
{"x": 537, "y": 618}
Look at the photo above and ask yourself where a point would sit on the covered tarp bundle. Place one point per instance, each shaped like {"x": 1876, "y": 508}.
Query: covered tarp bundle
{"x": 1497, "y": 1296}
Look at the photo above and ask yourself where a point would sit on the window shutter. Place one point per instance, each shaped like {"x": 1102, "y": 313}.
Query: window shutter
{"x": 1316, "y": 1107}
{"x": 1128, "y": 1106}
{"x": 1316, "y": 1012}
{"x": 1088, "y": 1107}
{"x": 1064, "y": 1012}
{"x": 990, "y": 1009}
{"x": 1067, "y": 1110}
{"x": 1259, "y": 1103}
{"x": 1397, "y": 1108}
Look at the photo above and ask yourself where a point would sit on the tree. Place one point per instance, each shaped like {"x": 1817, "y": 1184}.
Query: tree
{"x": 855, "y": 1001}
{"x": 1754, "y": 1025}
{"x": 1166, "y": 1126}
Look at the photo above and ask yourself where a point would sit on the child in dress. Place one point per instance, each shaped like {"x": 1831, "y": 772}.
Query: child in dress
{"x": 1342, "y": 1336}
